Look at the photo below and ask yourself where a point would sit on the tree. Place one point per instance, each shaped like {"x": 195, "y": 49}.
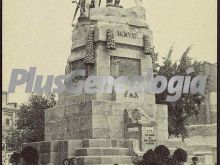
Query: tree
{"x": 3, "y": 151}
{"x": 188, "y": 104}
{"x": 30, "y": 124}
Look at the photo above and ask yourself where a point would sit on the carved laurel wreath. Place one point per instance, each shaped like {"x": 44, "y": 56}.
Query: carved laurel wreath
{"x": 110, "y": 39}
{"x": 90, "y": 49}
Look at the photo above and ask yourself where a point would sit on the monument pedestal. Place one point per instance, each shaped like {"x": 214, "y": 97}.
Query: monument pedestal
{"x": 92, "y": 128}
{"x": 96, "y": 120}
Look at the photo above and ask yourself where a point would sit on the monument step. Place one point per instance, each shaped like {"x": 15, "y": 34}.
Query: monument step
{"x": 180, "y": 143}
{"x": 201, "y": 159}
{"x": 84, "y": 160}
{"x": 90, "y": 143}
{"x": 201, "y": 148}
{"x": 197, "y": 164}
{"x": 173, "y": 144}
{"x": 201, "y": 153}
{"x": 183, "y": 145}
{"x": 102, "y": 151}
{"x": 189, "y": 151}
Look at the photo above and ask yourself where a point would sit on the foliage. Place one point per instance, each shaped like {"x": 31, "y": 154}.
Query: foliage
{"x": 188, "y": 104}
{"x": 30, "y": 124}
{"x": 3, "y": 153}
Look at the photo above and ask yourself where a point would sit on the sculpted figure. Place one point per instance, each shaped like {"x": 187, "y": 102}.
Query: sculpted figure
{"x": 84, "y": 6}
{"x": 117, "y": 3}
{"x": 140, "y": 117}
{"x": 79, "y": 5}
{"x": 92, "y": 5}
{"x": 110, "y": 3}
{"x": 95, "y": 3}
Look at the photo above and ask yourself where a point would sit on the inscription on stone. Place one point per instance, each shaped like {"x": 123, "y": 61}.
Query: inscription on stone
{"x": 131, "y": 95}
{"x": 125, "y": 66}
{"x": 149, "y": 135}
{"x": 127, "y": 34}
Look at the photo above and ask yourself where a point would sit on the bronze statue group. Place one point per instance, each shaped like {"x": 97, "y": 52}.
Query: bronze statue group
{"x": 84, "y": 8}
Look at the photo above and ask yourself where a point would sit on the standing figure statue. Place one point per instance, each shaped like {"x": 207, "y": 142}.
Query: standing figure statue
{"x": 110, "y": 3}
{"x": 117, "y": 2}
{"x": 79, "y": 5}
{"x": 92, "y": 5}
{"x": 84, "y": 6}
{"x": 95, "y": 3}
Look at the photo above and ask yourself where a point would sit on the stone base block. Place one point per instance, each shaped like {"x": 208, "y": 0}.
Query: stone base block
{"x": 85, "y": 160}
{"x": 102, "y": 151}
{"x": 97, "y": 120}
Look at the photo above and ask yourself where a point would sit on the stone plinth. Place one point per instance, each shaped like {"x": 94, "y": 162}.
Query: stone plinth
{"x": 96, "y": 119}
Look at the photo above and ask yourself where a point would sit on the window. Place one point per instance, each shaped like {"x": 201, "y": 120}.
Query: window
{"x": 7, "y": 121}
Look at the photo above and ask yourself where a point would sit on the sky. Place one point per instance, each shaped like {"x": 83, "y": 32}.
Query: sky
{"x": 38, "y": 33}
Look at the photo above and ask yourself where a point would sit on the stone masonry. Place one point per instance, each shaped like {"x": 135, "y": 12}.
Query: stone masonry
{"x": 92, "y": 128}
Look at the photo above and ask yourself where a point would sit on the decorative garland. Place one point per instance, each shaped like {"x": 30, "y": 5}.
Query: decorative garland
{"x": 90, "y": 49}
{"x": 147, "y": 45}
{"x": 110, "y": 39}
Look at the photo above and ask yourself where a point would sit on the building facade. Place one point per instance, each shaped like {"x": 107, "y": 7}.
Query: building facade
{"x": 208, "y": 110}
{"x": 9, "y": 120}
{"x": 9, "y": 112}
{"x": 9, "y": 115}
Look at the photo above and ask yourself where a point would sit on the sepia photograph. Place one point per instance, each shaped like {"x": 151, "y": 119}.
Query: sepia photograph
{"x": 109, "y": 82}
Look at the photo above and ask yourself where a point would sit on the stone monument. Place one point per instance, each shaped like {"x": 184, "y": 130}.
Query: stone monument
{"x": 104, "y": 128}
